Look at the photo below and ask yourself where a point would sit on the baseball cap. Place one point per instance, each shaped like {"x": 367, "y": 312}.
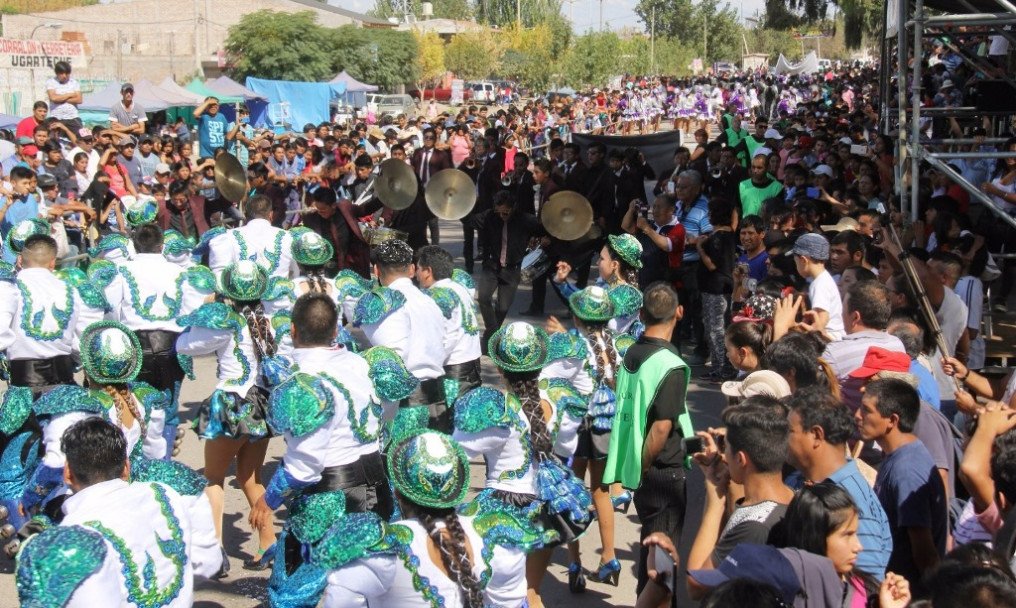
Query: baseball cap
{"x": 763, "y": 382}
{"x": 84, "y": 133}
{"x": 946, "y": 84}
{"x": 126, "y": 87}
{"x": 846, "y": 140}
{"x": 812, "y": 245}
{"x": 162, "y": 169}
{"x": 127, "y": 141}
{"x": 805, "y": 141}
{"x": 23, "y": 140}
{"x": 46, "y": 181}
{"x": 772, "y": 134}
{"x": 825, "y": 170}
{"x": 879, "y": 359}
{"x": 30, "y": 150}
{"x": 761, "y": 563}
{"x": 264, "y": 143}
{"x": 145, "y": 139}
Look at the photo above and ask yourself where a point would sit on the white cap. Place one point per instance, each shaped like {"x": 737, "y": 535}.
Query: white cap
{"x": 773, "y": 134}
{"x": 764, "y": 382}
{"x": 825, "y": 170}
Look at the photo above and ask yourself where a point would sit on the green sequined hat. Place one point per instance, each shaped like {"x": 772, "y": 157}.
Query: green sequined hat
{"x": 244, "y": 281}
{"x": 628, "y": 248}
{"x": 592, "y": 304}
{"x": 519, "y": 347}
{"x": 430, "y": 469}
{"x": 140, "y": 211}
{"x": 23, "y": 230}
{"x": 110, "y": 353}
{"x": 175, "y": 244}
{"x": 311, "y": 249}
{"x": 110, "y": 242}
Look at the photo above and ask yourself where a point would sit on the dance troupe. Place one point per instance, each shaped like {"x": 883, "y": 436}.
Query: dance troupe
{"x": 378, "y": 436}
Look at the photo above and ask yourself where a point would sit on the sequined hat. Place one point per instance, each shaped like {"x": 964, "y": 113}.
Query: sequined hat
{"x": 23, "y": 230}
{"x": 430, "y": 469}
{"x": 108, "y": 243}
{"x": 393, "y": 252}
{"x": 311, "y": 249}
{"x": 142, "y": 211}
{"x": 592, "y": 304}
{"x": 244, "y": 281}
{"x": 110, "y": 353}
{"x": 628, "y": 248}
{"x": 519, "y": 347}
{"x": 175, "y": 244}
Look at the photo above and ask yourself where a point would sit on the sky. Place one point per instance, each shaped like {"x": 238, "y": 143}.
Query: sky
{"x": 617, "y": 14}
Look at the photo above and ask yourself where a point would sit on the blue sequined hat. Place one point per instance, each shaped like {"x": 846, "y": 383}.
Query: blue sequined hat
{"x": 430, "y": 469}
{"x": 140, "y": 211}
{"x": 244, "y": 281}
{"x": 628, "y": 248}
{"x": 393, "y": 252}
{"x": 592, "y": 304}
{"x": 108, "y": 243}
{"x": 392, "y": 380}
{"x": 519, "y": 347}
{"x": 110, "y": 353}
{"x": 175, "y": 244}
{"x": 23, "y": 230}
{"x": 311, "y": 249}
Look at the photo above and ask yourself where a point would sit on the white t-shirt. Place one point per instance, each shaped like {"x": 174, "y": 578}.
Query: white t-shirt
{"x": 971, "y": 291}
{"x": 66, "y": 110}
{"x": 825, "y": 295}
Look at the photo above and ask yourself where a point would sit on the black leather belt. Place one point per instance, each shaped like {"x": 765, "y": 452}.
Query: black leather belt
{"x": 157, "y": 341}
{"x": 42, "y": 372}
{"x": 368, "y": 470}
{"x": 429, "y": 392}
{"x": 468, "y": 374}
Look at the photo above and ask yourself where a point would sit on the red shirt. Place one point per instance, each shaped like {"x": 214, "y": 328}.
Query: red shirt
{"x": 26, "y": 128}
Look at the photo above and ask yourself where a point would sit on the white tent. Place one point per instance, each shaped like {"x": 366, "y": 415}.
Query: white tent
{"x": 808, "y": 66}
{"x": 170, "y": 85}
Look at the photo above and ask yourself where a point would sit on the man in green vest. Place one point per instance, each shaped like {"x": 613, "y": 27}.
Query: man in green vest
{"x": 734, "y": 137}
{"x": 646, "y": 453}
{"x": 753, "y": 191}
{"x": 754, "y": 141}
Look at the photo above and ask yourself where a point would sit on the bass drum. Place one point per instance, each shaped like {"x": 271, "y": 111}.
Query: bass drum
{"x": 534, "y": 264}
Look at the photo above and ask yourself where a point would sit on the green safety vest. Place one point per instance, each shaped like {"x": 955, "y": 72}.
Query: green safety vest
{"x": 753, "y": 145}
{"x": 734, "y": 138}
{"x": 752, "y": 197}
{"x": 635, "y": 392}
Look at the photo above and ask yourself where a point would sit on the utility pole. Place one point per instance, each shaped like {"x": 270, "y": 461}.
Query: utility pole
{"x": 601, "y": 15}
{"x": 518, "y": 14}
{"x": 652, "y": 42}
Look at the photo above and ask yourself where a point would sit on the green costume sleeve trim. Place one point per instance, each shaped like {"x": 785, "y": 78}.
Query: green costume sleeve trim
{"x": 355, "y": 535}
{"x": 300, "y": 405}
{"x": 53, "y": 564}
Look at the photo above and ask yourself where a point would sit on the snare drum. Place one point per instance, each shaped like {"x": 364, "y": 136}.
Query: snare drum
{"x": 534, "y": 264}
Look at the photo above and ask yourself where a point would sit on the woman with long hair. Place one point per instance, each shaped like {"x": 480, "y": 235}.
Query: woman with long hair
{"x": 558, "y": 501}
{"x": 798, "y": 358}
{"x": 618, "y": 266}
{"x": 433, "y": 556}
{"x": 312, "y": 253}
{"x": 238, "y": 330}
{"x": 823, "y": 519}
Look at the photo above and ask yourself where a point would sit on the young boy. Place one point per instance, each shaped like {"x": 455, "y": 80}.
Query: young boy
{"x": 811, "y": 252}
{"x": 17, "y": 203}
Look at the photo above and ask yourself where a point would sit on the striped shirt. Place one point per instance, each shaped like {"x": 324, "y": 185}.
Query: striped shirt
{"x": 872, "y": 525}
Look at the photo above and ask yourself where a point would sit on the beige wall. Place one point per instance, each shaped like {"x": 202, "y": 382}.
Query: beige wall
{"x": 159, "y": 38}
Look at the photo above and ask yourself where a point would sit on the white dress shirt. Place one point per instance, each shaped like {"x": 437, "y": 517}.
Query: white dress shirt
{"x": 47, "y": 292}
{"x": 238, "y": 369}
{"x": 503, "y": 449}
{"x": 461, "y": 346}
{"x": 150, "y": 276}
{"x": 416, "y": 331}
{"x": 381, "y": 581}
{"x": 135, "y": 516}
{"x": 257, "y": 241}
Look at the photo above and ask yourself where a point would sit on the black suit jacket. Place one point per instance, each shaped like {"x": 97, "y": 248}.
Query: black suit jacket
{"x": 439, "y": 161}
{"x": 574, "y": 179}
{"x": 487, "y": 178}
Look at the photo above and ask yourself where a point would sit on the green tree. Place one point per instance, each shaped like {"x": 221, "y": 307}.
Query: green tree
{"x": 714, "y": 31}
{"x": 724, "y": 40}
{"x": 430, "y": 64}
{"x": 383, "y": 57}
{"x": 504, "y": 14}
{"x": 527, "y": 58}
{"x": 279, "y": 46}
{"x": 860, "y": 17}
{"x": 592, "y": 59}
{"x": 473, "y": 55}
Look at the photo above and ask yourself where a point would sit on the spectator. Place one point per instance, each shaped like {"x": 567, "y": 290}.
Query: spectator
{"x": 716, "y": 252}
{"x": 753, "y": 451}
{"x": 908, "y": 485}
{"x": 27, "y": 126}
{"x": 820, "y": 428}
{"x": 128, "y": 116}
{"x": 64, "y": 94}
{"x": 811, "y": 252}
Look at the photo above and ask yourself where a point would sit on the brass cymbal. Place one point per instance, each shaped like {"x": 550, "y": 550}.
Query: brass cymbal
{"x": 567, "y": 216}
{"x": 230, "y": 178}
{"x": 450, "y": 194}
{"x": 396, "y": 185}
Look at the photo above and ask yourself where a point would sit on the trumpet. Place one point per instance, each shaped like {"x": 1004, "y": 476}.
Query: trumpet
{"x": 506, "y": 180}
{"x": 470, "y": 163}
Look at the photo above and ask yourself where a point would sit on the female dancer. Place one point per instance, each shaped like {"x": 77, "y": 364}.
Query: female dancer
{"x": 618, "y": 265}
{"x": 237, "y": 329}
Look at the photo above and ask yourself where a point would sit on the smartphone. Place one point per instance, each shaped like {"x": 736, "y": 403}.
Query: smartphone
{"x": 812, "y": 193}
{"x": 665, "y": 566}
{"x": 692, "y": 445}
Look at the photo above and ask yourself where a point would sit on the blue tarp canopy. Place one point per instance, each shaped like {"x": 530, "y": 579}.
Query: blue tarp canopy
{"x": 9, "y": 122}
{"x": 293, "y": 104}
{"x": 104, "y": 99}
